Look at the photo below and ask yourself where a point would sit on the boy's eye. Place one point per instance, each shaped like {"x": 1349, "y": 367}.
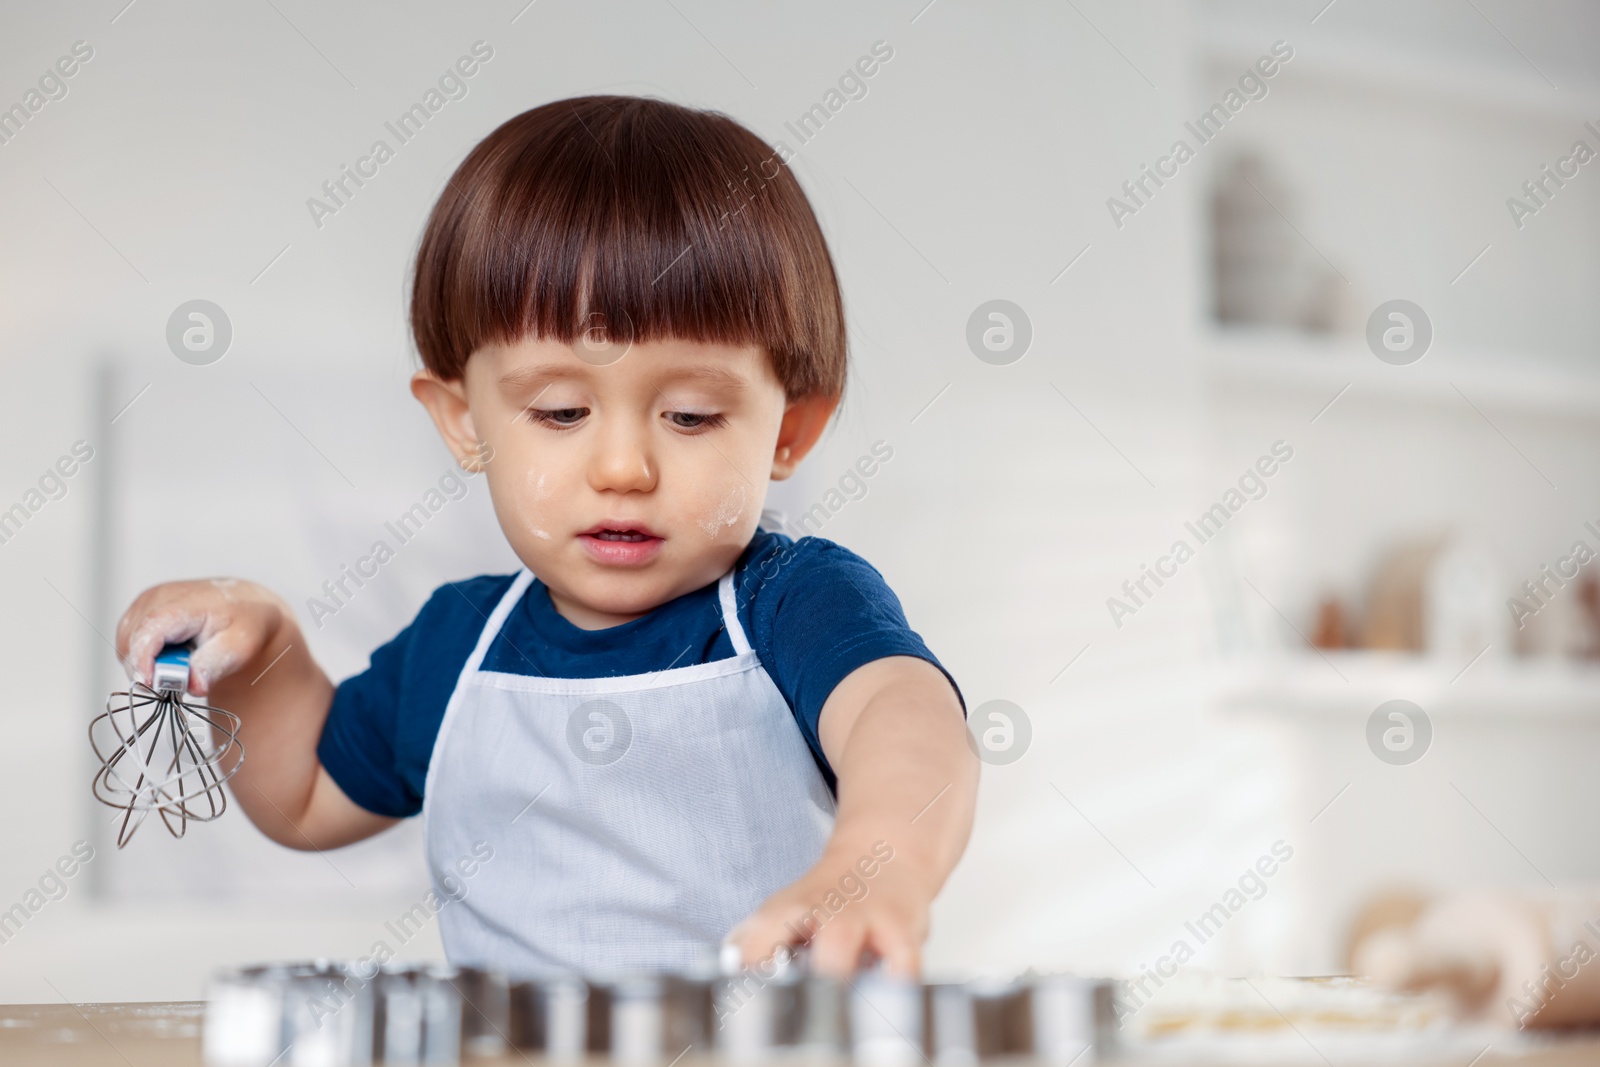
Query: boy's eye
{"x": 557, "y": 416}
{"x": 688, "y": 420}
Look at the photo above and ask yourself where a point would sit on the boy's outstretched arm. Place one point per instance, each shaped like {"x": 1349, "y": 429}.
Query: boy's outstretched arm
{"x": 907, "y": 786}
{"x": 251, "y": 658}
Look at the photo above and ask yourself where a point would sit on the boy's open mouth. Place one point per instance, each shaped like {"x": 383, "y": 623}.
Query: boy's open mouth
{"x": 621, "y": 544}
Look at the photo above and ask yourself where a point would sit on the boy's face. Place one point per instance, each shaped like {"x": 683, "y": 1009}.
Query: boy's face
{"x": 624, "y": 484}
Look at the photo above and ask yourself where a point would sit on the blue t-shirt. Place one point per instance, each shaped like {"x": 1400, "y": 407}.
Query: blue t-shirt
{"x": 813, "y": 611}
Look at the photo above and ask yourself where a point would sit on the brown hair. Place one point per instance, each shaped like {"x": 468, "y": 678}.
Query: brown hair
{"x": 652, "y": 219}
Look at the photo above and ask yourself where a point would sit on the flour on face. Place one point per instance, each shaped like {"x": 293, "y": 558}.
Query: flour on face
{"x": 539, "y": 493}
{"x": 729, "y": 512}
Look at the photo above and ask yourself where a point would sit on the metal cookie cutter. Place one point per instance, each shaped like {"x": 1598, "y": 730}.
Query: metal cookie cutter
{"x": 317, "y": 1013}
{"x": 658, "y": 1018}
{"x": 327, "y": 1014}
{"x": 777, "y": 1010}
{"x": 552, "y": 1016}
{"x": 886, "y": 1020}
{"x": 1050, "y": 1019}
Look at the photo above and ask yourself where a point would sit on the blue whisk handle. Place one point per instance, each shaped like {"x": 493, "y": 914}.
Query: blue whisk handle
{"x": 171, "y": 674}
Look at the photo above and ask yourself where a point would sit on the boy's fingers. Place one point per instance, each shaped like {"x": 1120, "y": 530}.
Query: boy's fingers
{"x": 761, "y": 935}
{"x": 225, "y": 638}
{"x": 836, "y": 950}
{"x": 840, "y": 942}
{"x": 220, "y": 654}
{"x": 168, "y": 614}
{"x": 156, "y": 629}
{"x": 902, "y": 955}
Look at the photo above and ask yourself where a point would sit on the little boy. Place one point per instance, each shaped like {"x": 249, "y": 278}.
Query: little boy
{"x": 671, "y": 728}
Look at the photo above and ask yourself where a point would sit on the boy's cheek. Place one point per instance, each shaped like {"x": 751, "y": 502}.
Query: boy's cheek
{"x": 529, "y": 502}
{"x": 722, "y": 511}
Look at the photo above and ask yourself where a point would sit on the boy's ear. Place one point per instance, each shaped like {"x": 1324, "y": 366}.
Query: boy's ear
{"x": 447, "y": 404}
{"x": 803, "y": 422}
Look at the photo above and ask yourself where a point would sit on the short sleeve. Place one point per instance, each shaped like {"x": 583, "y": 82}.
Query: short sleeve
{"x": 821, "y": 612}
{"x": 357, "y": 747}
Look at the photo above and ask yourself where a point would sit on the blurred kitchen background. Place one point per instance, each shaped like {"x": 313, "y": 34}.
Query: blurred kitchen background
{"x": 1173, "y": 344}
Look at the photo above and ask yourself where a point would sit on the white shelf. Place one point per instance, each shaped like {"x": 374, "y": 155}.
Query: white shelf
{"x": 1354, "y": 683}
{"x": 1504, "y": 381}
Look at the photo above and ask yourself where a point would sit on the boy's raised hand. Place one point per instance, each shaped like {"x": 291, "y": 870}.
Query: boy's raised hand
{"x": 251, "y": 658}
{"x": 231, "y": 622}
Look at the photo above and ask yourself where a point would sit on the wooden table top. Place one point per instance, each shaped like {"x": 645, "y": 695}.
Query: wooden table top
{"x": 160, "y": 1034}
{"x": 167, "y": 1034}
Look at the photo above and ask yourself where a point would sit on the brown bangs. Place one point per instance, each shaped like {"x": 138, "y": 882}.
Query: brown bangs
{"x": 641, "y": 217}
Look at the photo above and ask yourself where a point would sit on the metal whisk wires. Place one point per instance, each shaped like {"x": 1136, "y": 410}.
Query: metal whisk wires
{"x": 160, "y": 753}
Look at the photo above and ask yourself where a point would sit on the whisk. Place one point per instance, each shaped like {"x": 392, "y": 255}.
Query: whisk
{"x": 160, "y": 753}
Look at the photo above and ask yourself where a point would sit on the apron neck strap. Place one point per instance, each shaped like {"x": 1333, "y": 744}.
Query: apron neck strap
{"x": 497, "y": 618}
{"x": 519, "y": 586}
{"x": 730, "y": 613}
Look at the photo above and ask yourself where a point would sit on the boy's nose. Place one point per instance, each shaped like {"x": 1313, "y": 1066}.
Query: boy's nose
{"x": 621, "y": 461}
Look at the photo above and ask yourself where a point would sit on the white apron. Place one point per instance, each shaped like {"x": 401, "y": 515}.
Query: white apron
{"x": 634, "y": 820}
